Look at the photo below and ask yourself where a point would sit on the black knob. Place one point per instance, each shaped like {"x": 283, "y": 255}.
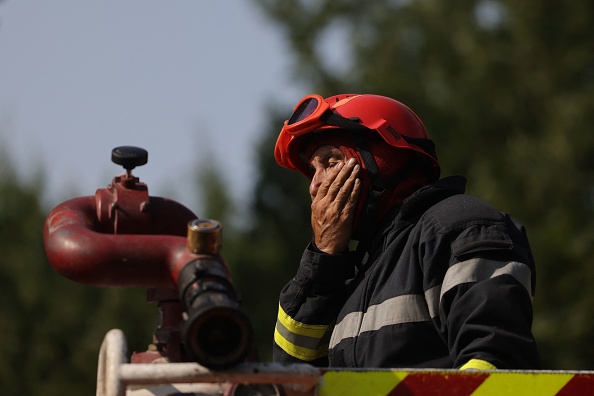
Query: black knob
{"x": 129, "y": 156}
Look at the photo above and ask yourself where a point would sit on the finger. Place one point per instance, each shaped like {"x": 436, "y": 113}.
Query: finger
{"x": 338, "y": 177}
{"x": 347, "y": 210}
{"x": 353, "y": 198}
{"x": 331, "y": 174}
{"x": 347, "y": 187}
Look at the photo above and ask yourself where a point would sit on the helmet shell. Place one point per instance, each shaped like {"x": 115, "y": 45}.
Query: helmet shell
{"x": 390, "y": 118}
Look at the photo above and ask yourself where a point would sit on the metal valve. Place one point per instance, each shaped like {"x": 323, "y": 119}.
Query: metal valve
{"x": 204, "y": 236}
{"x": 129, "y": 157}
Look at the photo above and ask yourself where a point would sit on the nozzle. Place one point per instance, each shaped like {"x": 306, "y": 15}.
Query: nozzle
{"x": 216, "y": 331}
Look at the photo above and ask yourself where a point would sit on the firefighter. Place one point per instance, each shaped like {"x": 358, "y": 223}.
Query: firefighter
{"x": 404, "y": 269}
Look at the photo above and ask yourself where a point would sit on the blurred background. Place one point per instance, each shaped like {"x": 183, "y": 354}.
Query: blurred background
{"x": 505, "y": 88}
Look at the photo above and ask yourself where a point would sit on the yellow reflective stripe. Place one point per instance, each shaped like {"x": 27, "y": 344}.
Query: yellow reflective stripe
{"x": 478, "y": 364}
{"x": 297, "y": 351}
{"x": 289, "y": 333}
{"x": 315, "y": 331}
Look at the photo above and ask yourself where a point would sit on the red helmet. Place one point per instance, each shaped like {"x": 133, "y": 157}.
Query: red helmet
{"x": 398, "y": 126}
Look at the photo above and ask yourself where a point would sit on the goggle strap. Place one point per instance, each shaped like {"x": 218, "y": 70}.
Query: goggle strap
{"x": 369, "y": 161}
{"x": 426, "y": 144}
{"x": 377, "y": 187}
{"x": 331, "y": 118}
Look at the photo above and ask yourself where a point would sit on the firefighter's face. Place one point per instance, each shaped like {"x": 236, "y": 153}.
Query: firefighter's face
{"x": 321, "y": 161}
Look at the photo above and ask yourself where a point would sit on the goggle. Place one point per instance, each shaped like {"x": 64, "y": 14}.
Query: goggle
{"x": 311, "y": 113}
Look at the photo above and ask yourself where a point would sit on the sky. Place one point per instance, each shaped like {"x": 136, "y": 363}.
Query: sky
{"x": 185, "y": 80}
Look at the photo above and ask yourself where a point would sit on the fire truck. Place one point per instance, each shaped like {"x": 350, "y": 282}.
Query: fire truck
{"x": 123, "y": 237}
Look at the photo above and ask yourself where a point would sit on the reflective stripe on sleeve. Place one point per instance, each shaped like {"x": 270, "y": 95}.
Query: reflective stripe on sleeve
{"x": 477, "y": 269}
{"x": 478, "y": 364}
{"x": 300, "y": 340}
{"x": 401, "y": 309}
{"x": 432, "y": 299}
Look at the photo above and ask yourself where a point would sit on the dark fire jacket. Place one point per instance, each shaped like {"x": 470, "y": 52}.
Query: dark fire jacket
{"x": 447, "y": 279}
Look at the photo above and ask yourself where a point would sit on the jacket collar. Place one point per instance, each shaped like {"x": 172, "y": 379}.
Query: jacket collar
{"x": 426, "y": 197}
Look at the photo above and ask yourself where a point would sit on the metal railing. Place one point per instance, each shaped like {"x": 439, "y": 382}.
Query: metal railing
{"x": 116, "y": 377}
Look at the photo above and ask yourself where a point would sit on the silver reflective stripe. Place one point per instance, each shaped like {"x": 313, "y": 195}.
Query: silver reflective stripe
{"x": 477, "y": 269}
{"x": 432, "y": 299}
{"x": 401, "y": 309}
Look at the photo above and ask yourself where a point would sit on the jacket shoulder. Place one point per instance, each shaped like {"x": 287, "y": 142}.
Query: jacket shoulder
{"x": 463, "y": 210}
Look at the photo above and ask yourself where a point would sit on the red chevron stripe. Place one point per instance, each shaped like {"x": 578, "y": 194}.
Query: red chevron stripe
{"x": 438, "y": 384}
{"x": 580, "y": 384}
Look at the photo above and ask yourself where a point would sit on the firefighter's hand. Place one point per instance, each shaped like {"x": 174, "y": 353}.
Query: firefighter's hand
{"x": 333, "y": 208}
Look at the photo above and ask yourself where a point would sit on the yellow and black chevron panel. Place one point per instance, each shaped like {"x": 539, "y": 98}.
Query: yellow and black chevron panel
{"x": 447, "y": 383}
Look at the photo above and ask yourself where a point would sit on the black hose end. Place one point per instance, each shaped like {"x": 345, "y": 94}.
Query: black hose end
{"x": 217, "y": 333}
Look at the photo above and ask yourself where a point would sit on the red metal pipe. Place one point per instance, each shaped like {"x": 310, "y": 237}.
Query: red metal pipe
{"x": 122, "y": 237}
{"x": 81, "y": 244}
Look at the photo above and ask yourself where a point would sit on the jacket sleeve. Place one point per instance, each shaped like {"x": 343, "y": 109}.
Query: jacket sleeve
{"x": 308, "y": 306}
{"x": 485, "y": 275}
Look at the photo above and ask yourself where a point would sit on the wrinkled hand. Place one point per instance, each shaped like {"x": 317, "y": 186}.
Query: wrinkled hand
{"x": 333, "y": 208}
